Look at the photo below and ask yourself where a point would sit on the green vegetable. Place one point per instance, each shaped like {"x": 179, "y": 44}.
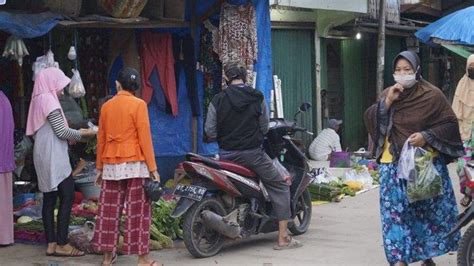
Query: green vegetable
{"x": 424, "y": 182}
{"x": 162, "y": 220}
{"x": 35, "y": 226}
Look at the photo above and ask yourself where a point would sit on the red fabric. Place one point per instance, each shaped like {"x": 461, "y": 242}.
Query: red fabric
{"x": 156, "y": 50}
{"x": 113, "y": 196}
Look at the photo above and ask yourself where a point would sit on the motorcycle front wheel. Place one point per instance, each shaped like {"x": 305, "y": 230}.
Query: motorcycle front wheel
{"x": 303, "y": 213}
{"x": 199, "y": 240}
{"x": 466, "y": 248}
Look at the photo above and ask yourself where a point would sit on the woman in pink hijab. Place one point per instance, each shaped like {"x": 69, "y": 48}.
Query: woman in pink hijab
{"x": 48, "y": 126}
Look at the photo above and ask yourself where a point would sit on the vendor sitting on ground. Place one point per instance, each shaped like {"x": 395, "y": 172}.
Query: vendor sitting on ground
{"x": 326, "y": 142}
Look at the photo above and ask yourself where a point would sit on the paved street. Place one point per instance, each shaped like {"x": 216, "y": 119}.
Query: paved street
{"x": 346, "y": 233}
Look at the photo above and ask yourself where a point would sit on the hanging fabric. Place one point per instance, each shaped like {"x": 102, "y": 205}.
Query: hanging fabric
{"x": 156, "y": 50}
{"x": 238, "y": 36}
{"x": 210, "y": 64}
{"x": 183, "y": 51}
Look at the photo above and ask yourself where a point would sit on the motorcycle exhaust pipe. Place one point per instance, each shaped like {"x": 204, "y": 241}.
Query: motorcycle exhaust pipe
{"x": 220, "y": 224}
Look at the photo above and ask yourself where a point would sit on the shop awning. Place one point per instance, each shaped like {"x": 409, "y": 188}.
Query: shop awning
{"x": 28, "y": 25}
{"x": 459, "y": 50}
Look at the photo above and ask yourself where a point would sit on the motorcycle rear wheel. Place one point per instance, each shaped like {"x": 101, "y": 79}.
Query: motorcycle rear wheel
{"x": 466, "y": 248}
{"x": 194, "y": 232}
{"x": 303, "y": 212}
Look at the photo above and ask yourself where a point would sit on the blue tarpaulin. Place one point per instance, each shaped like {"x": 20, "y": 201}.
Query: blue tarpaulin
{"x": 28, "y": 25}
{"x": 455, "y": 28}
{"x": 172, "y": 136}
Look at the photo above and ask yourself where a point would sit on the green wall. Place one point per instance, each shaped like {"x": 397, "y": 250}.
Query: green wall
{"x": 293, "y": 61}
{"x": 354, "y": 69}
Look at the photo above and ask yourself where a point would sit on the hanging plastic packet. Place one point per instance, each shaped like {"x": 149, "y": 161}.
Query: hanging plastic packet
{"x": 417, "y": 168}
{"x": 76, "y": 87}
{"x": 282, "y": 171}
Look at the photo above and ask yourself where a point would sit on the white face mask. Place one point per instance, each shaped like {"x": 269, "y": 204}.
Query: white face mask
{"x": 407, "y": 81}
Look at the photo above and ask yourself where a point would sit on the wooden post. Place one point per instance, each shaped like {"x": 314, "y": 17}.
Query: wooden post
{"x": 381, "y": 47}
{"x": 194, "y": 120}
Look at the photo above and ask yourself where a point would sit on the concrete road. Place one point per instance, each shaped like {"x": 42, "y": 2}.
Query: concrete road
{"x": 345, "y": 233}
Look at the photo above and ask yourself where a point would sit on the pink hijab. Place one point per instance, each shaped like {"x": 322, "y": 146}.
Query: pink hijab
{"x": 44, "y": 100}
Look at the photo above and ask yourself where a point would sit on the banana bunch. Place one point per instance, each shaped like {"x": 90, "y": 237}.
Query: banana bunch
{"x": 15, "y": 49}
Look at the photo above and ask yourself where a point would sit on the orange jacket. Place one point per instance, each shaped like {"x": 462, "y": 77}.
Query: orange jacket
{"x": 124, "y": 132}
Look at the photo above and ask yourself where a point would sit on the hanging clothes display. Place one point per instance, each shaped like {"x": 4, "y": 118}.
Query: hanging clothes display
{"x": 123, "y": 45}
{"x": 93, "y": 56}
{"x": 156, "y": 51}
{"x": 210, "y": 64}
{"x": 238, "y": 36}
{"x": 183, "y": 51}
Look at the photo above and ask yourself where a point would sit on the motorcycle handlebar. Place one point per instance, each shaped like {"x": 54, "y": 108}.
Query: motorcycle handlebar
{"x": 301, "y": 129}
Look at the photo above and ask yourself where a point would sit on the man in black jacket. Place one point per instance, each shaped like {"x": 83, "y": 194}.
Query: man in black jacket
{"x": 238, "y": 119}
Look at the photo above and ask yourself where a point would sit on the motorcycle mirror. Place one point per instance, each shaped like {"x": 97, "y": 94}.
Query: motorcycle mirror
{"x": 304, "y": 107}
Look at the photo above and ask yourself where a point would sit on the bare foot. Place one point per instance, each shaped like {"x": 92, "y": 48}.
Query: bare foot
{"x": 144, "y": 261}
{"x": 51, "y": 248}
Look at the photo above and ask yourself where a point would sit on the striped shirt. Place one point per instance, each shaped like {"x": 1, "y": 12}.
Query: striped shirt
{"x": 324, "y": 144}
{"x": 56, "y": 120}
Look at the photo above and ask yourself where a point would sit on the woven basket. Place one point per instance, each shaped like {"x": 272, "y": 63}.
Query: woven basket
{"x": 69, "y": 8}
{"x": 123, "y": 8}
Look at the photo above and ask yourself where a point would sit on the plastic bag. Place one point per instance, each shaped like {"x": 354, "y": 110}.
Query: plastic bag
{"x": 417, "y": 168}
{"x": 282, "y": 171}
{"x": 76, "y": 87}
{"x": 360, "y": 174}
{"x": 81, "y": 238}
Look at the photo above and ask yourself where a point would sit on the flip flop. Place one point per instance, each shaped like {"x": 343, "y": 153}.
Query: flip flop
{"x": 74, "y": 253}
{"x": 465, "y": 201}
{"x": 155, "y": 262}
{"x": 292, "y": 244}
{"x": 49, "y": 254}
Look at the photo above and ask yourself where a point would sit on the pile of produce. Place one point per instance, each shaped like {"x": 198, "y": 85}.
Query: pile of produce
{"x": 335, "y": 190}
{"x": 164, "y": 228}
{"x": 424, "y": 181}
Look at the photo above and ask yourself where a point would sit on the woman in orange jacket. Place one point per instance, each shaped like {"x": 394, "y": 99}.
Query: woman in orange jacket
{"x": 125, "y": 159}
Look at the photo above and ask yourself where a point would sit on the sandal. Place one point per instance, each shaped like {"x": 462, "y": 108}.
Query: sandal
{"x": 155, "y": 263}
{"x": 465, "y": 201}
{"x": 112, "y": 261}
{"x": 292, "y": 244}
{"x": 73, "y": 253}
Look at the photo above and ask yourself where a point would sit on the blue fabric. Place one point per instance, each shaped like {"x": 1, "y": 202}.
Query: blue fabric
{"x": 117, "y": 65}
{"x": 158, "y": 94}
{"x": 28, "y": 25}
{"x": 172, "y": 136}
{"x": 456, "y": 27}
{"x": 416, "y": 231}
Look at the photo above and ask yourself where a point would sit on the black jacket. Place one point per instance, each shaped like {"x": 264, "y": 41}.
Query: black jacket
{"x": 237, "y": 118}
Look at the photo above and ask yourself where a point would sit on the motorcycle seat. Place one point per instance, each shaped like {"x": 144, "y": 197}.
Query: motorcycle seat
{"x": 238, "y": 169}
{"x": 224, "y": 165}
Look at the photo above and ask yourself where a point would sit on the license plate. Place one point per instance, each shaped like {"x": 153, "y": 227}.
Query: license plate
{"x": 189, "y": 191}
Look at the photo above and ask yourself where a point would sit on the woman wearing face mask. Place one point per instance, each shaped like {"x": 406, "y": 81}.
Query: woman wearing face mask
{"x": 463, "y": 106}
{"x": 414, "y": 110}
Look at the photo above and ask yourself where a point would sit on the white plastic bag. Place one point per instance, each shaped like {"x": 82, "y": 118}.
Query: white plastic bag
{"x": 360, "y": 174}
{"x": 417, "y": 167}
{"x": 76, "y": 87}
{"x": 282, "y": 171}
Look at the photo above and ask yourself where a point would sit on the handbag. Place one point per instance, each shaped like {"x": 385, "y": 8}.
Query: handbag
{"x": 153, "y": 189}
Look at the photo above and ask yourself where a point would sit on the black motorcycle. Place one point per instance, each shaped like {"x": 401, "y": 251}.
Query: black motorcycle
{"x": 227, "y": 200}
{"x": 466, "y": 245}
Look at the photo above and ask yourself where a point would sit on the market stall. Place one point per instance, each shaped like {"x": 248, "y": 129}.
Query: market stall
{"x": 179, "y": 47}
